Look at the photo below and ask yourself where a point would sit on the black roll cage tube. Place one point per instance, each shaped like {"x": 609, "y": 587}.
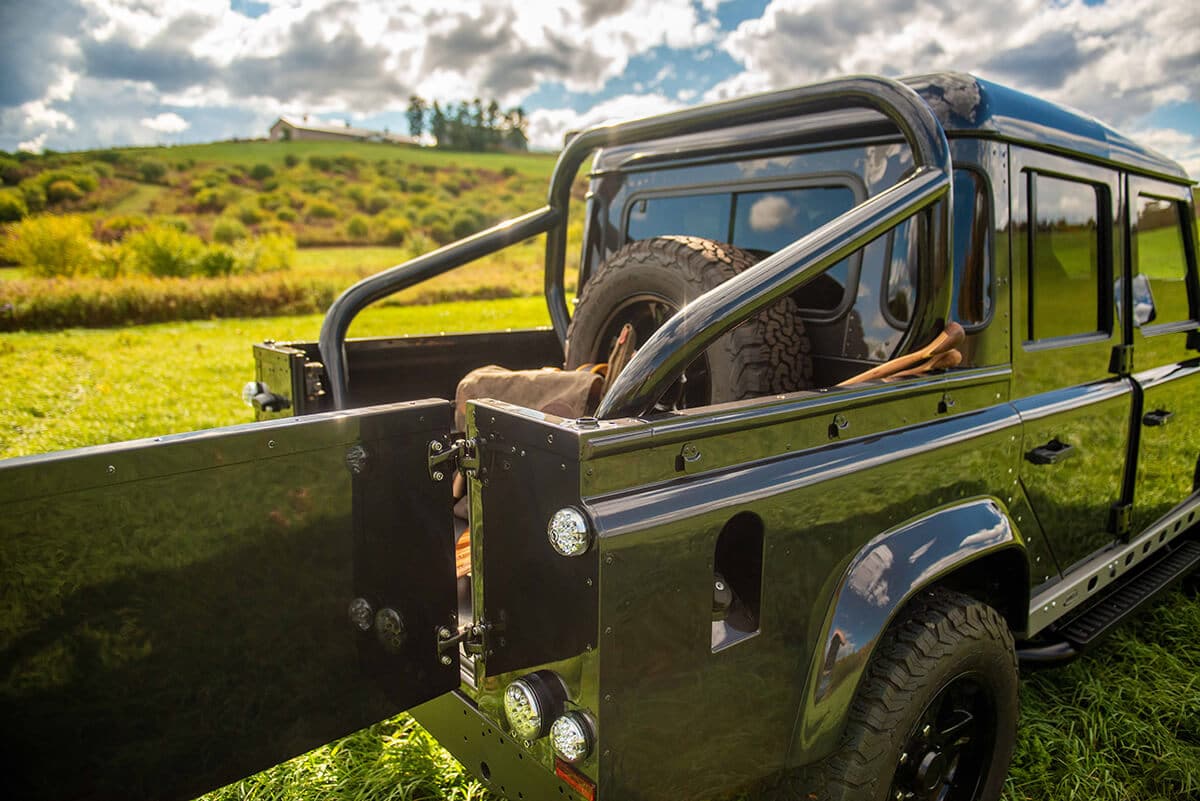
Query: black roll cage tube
{"x": 662, "y": 359}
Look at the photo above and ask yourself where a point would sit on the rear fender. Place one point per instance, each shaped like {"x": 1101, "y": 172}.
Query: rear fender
{"x": 885, "y": 575}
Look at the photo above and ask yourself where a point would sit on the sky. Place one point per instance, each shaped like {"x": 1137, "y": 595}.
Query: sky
{"x": 97, "y": 73}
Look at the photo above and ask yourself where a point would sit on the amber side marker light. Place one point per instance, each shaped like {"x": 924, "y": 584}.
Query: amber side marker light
{"x": 573, "y": 778}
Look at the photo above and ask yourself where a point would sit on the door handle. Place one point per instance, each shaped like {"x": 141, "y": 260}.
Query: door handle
{"x": 1052, "y": 452}
{"x": 1158, "y": 417}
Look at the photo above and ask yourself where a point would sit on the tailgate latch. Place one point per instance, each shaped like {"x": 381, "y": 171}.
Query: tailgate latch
{"x": 460, "y": 454}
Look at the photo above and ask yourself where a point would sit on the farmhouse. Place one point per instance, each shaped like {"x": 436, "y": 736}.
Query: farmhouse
{"x": 286, "y": 129}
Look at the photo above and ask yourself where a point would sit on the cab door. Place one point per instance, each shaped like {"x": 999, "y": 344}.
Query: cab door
{"x": 1075, "y": 409}
{"x": 1164, "y": 297}
{"x": 182, "y": 612}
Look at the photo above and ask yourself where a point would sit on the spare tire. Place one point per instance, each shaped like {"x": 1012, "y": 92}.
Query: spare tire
{"x": 647, "y": 282}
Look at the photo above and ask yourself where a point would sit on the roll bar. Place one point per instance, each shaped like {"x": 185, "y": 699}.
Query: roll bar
{"x": 664, "y": 357}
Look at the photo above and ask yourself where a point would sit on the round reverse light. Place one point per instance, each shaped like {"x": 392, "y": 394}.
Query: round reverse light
{"x": 532, "y": 701}
{"x": 568, "y": 532}
{"x": 572, "y": 736}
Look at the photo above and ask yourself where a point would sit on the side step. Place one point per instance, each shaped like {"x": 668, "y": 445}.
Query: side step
{"x": 1131, "y": 596}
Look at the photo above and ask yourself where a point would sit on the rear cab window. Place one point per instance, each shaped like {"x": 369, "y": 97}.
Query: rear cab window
{"x": 1161, "y": 294}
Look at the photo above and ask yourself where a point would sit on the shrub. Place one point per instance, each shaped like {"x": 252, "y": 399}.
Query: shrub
{"x": 249, "y": 215}
{"x": 260, "y": 172}
{"x": 356, "y": 227}
{"x": 508, "y": 172}
{"x": 441, "y": 233}
{"x": 432, "y": 216}
{"x": 82, "y": 177}
{"x": 63, "y": 190}
{"x": 164, "y": 251}
{"x": 291, "y": 159}
{"x": 319, "y": 163}
{"x": 358, "y": 195}
{"x": 377, "y": 203}
{"x": 53, "y": 245}
{"x": 34, "y": 194}
{"x": 321, "y": 210}
{"x": 218, "y": 260}
{"x": 152, "y": 172}
{"x": 12, "y": 206}
{"x": 227, "y": 230}
{"x": 396, "y": 230}
{"x": 465, "y": 226}
{"x": 267, "y": 254}
{"x": 116, "y": 228}
{"x": 209, "y": 200}
{"x": 286, "y": 215}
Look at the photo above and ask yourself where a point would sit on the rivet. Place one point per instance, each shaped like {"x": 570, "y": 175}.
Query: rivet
{"x": 608, "y": 560}
{"x": 446, "y": 660}
{"x": 608, "y": 629}
{"x": 270, "y": 443}
{"x": 436, "y": 446}
{"x": 438, "y": 475}
{"x": 112, "y": 468}
{"x": 588, "y": 582}
{"x": 549, "y": 439}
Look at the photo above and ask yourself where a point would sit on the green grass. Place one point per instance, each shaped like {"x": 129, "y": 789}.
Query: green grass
{"x": 1121, "y": 724}
{"x": 78, "y": 387}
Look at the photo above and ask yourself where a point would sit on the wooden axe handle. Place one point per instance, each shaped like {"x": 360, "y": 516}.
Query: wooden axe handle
{"x": 942, "y": 361}
{"x": 949, "y": 339}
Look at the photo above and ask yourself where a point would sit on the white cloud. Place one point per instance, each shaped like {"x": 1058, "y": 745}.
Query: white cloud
{"x": 168, "y": 122}
{"x": 33, "y": 145}
{"x": 548, "y": 126}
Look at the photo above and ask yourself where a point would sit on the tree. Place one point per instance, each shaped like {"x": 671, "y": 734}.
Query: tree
{"x": 416, "y": 115}
{"x": 437, "y": 125}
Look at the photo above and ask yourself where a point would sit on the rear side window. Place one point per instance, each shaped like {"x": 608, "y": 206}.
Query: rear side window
{"x": 761, "y": 221}
{"x": 1159, "y": 256}
{"x": 1064, "y": 265}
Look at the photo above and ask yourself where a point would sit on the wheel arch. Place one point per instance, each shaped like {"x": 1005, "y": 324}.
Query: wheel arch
{"x": 972, "y": 547}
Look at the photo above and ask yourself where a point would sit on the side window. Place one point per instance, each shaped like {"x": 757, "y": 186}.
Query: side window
{"x": 972, "y": 302}
{"x": 1159, "y": 260}
{"x": 694, "y": 215}
{"x": 1064, "y": 268}
{"x": 769, "y": 221}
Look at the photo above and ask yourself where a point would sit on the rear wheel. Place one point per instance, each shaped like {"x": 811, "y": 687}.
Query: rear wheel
{"x": 647, "y": 282}
{"x": 935, "y": 716}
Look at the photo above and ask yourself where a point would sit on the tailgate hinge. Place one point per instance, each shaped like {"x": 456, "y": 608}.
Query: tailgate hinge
{"x": 475, "y": 640}
{"x": 460, "y": 454}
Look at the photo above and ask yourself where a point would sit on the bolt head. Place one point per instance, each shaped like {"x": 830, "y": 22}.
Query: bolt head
{"x": 361, "y": 614}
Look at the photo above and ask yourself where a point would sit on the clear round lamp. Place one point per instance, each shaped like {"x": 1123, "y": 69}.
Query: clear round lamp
{"x": 568, "y": 532}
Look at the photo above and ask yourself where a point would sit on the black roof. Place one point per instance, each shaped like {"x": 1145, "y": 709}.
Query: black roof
{"x": 965, "y": 105}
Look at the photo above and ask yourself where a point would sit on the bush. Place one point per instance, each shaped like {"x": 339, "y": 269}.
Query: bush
{"x": 227, "y": 230}
{"x": 267, "y": 254}
{"x": 218, "y": 261}
{"x": 321, "y": 210}
{"x": 441, "y": 233}
{"x": 356, "y": 227}
{"x": 286, "y": 215}
{"x": 82, "y": 177}
{"x": 209, "y": 200}
{"x": 260, "y": 172}
{"x": 377, "y": 203}
{"x": 396, "y": 230}
{"x": 291, "y": 159}
{"x": 34, "y": 194}
{"x": 432, "y": 217}
{"x": 117, "y": 227}
{"x": 63, "y": 190}
{"x": 152, "y": 172}
{"x": 164, "y": 251}
{"x": 53, "y": 245}
{"x": 12, "y": 206}
{"x": 12, "y": 172}
{"x": 320, "y": 163}
{"x": 249, "y": 215}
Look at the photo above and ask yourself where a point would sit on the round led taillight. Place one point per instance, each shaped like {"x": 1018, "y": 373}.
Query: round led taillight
{"x": 532, "y": 702}
{"x": 573, "y": 736}
{"x": 568, "y": 532}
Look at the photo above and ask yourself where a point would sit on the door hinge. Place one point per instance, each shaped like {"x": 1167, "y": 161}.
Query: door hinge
{"x": 461, "y": 454}
{"x": 1121, "y": 361}
{"x": 475, "y": 640}
{"x": 1121, "y": 519}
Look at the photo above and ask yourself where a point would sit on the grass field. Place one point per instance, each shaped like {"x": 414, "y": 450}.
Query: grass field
{"x": 1121, "y": 724}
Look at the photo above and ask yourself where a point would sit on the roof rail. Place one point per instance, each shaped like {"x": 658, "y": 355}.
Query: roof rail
{"x": 727, "y": 305}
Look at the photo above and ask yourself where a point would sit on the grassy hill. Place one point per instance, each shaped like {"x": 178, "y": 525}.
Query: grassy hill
{"x": 154, "y": 234}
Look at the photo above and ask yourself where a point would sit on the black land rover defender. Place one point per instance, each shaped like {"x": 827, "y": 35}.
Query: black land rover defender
{"x": 909, "y": 396}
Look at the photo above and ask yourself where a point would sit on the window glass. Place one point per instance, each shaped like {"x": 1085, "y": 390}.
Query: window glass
{"x": 972, "y": 302}
{"x": 1064, "y": 272}
{"x": 693, "y": 215}
{"x": 1158, "y": 255}
{"x": 768, "y": 221}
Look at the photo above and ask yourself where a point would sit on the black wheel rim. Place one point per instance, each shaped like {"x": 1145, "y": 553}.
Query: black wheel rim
{"x": 647, "y": 312}
{"x": 948, "y": 753}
